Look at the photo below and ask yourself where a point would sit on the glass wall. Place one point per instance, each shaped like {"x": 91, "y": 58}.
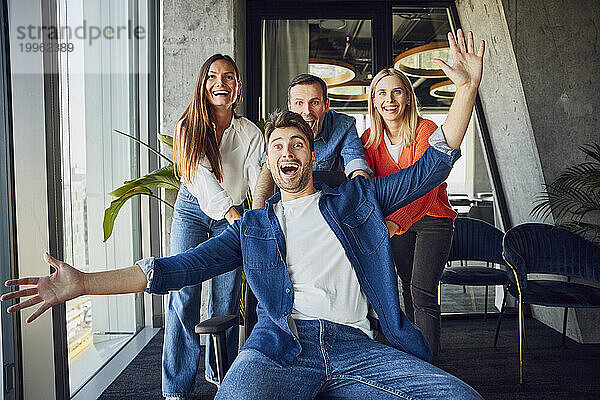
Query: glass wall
{"x": 98, "y": 95}
{"x": 337, "y": 50}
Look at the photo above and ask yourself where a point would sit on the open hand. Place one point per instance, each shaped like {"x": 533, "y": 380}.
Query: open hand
{"x": 64, "y": 284}
{"x": 467, "y": 66}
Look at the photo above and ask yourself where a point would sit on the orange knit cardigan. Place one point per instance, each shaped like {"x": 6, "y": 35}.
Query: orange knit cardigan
{"x": 434, "y": 203}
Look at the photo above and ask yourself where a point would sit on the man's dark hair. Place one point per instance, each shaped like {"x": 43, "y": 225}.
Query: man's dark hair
{"x": 307, "y": 79}
{"x": 287, "y": 119}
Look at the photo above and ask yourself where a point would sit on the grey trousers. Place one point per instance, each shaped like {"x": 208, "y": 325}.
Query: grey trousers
{"x": 420, "y": 255}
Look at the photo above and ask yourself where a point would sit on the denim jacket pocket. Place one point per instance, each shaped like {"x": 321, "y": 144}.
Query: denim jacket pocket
{"x": 366, "y": 229}
{"x": 260, "y": 248}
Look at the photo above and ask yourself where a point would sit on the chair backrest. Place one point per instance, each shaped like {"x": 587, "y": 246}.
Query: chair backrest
{"x": 476, "y": 240}
{"x": 330, "y": 178}
{"x": 547, "y": 249}
{"x": 483, "y": 211}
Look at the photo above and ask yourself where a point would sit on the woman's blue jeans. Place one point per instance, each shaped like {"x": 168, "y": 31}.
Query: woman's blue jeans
{"x": 181, "y": 349}
{"x": 340, "y": 362}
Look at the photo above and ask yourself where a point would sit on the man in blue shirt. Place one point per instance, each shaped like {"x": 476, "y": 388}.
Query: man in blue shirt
{"x": 337, "y": 145}
{"x": 310, "y": 338}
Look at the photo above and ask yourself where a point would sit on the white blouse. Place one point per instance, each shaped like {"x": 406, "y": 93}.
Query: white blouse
{"x": 241, "y": 147}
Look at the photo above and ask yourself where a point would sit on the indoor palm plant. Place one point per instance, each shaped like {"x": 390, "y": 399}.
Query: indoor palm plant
{"x": 574, "y": 197}
{"x": 164, "y": 177}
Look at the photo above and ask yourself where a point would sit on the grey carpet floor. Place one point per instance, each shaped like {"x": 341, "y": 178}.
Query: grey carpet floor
{"x": 551, "y": 371}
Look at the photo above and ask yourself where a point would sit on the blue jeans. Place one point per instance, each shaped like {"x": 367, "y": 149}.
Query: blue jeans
{"x": 339, "y": 362}
{"x": 181, "y": 349}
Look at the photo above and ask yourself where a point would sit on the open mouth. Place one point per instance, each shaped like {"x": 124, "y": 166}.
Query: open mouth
{"x": 289, "y": 169}
{"x": 312, "y": 123}
{"x": 390, "y": 108}
{"x": 218, "y": 93}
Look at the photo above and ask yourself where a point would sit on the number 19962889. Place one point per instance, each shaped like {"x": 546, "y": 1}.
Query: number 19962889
{"x": 46, "y": 47}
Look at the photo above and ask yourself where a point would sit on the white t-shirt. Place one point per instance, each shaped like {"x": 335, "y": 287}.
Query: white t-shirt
{"x": 394, "y": 149}
{"x": 325, "y": 284}
{"x": 241, "y": 146}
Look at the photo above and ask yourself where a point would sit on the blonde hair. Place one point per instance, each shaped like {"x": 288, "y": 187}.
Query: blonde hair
{"x": 411, "y": 116}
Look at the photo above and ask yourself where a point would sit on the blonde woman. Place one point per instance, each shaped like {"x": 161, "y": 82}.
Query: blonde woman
{"x": 421, "y": 231}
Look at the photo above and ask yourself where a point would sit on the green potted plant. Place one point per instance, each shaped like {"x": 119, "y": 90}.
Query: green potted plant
{"x": 165, "y": 177}
{"x": 574, "y": 196}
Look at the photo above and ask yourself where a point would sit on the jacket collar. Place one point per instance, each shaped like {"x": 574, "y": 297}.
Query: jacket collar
{"x": 327, "y": 190}
{"x": 327, "y": 128}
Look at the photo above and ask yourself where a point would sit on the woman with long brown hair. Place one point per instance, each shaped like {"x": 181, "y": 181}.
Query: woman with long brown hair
{"x": 421, "y": 232}
{"x": 217, "y": 154}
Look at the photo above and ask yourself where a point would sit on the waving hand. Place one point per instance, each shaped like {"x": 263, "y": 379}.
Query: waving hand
{"x": 467, "y": 65}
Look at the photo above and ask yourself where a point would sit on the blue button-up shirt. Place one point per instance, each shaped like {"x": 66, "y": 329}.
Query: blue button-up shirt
{"x": 338, "y": 147}
{"x": 356, "y": 212}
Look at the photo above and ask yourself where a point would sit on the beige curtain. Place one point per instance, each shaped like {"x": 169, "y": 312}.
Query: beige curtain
{"x": 284, "y": 55}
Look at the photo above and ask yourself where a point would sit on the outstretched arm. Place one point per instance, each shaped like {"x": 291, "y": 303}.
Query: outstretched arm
{"x": 67, "y": 283}
{"x": 465, "y": 73}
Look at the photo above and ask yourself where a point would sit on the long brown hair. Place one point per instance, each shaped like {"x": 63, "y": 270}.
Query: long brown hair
{"x": 195, "y": 136}
{"x": 411, "y": 116}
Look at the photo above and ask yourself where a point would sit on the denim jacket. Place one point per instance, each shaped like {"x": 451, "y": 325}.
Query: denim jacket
{"x": 338, "y": 147}
{"x": 356, "y": 212}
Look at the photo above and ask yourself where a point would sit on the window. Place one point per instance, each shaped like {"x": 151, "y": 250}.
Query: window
{"x": 98, "y": 95}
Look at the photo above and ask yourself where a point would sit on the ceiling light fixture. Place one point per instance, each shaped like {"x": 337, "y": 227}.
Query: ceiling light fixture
{"x": 333, "y": 72}
{"x": 349, "y": 91}
{"x": 417, "y": 61}
{"x": 443, "y": 90}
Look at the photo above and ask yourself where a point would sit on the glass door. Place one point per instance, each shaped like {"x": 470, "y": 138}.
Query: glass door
{"x": 337, "y": 50}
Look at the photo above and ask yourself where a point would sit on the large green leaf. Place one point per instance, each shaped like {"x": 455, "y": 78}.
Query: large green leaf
{"x": 160, "y": 178}
{"x": 166, "y": 140}
{"x": 110, "y": 214}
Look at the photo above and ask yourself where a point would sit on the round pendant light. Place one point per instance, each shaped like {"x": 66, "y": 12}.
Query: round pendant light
{"x": 443, "y": 90}
{"x": 333, "y": 72}
{"x": 349, "y": 91}
{"x": 417, "y": 61}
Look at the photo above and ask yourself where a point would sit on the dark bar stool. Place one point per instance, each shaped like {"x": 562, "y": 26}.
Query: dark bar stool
{"x": 216, "y": 327}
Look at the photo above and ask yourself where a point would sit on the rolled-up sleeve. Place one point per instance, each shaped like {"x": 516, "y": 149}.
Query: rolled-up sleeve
{"x": 147, "y": 266}
{"x": 352, "y": 151}
{"x": 438, "y": 141}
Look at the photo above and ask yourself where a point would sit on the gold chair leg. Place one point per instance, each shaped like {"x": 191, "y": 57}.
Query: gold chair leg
{"x": 521, "y": 334}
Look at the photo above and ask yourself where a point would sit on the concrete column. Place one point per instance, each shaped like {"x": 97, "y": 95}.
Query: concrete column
{"x": 192, "y": 31}
{"x": 539, "y": 94}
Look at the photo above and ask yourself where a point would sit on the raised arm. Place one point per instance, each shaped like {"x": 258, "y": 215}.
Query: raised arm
{"x": 67, "y": 283}
{"x": 265, "y": 187}
{"x": 465, "y": 73}
{"x": 396, "y": 190}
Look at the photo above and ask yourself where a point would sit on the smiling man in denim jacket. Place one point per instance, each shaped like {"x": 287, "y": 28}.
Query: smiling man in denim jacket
{"x": 315, "y": 257}
{"x": 337, "y": 145}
